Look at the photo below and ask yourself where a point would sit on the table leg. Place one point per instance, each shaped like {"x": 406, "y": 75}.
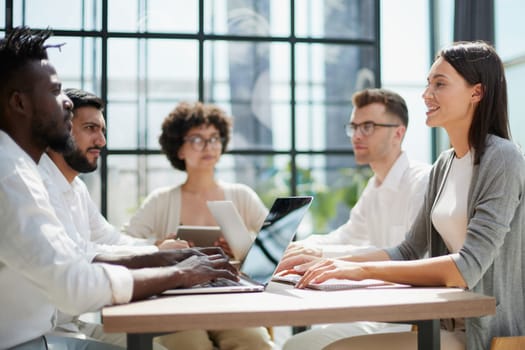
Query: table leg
{"x": 428, "y": 335}
{"x": 140, "y": 341}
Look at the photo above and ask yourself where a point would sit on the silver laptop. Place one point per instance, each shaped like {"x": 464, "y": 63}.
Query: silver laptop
{"x": 266, "y": 251}
{"x": 232, "y": 226}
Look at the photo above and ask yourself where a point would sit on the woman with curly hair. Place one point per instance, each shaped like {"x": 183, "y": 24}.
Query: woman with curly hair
{"x": 194, "y": 136}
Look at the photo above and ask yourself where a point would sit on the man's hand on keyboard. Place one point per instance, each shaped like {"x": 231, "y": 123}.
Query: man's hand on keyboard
{"x": 201, "y": 269}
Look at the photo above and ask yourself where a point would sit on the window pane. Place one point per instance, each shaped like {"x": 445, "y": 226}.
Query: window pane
{"x": 122, "y": 188}
{"x": 153, "y": 16}
{"x": 80, "y": 14}
{"x": 2, "y": 16}
{"x": 131, "y": 179}
{"x": 146, "y": 79}
{"x": 406, "y": 75}
{"x": 411, "y": 68}
{"x": 78, "y": 62}
{"x": 335, "y": 183}
{"x": 252, "y": 82}
{"x": 350, "y": 19}
{"x": 515, "y": 78}
{"x": 247, "y": 17}
{"x": 327, "y": 76}
{"x": 508, "y": 32}
{"x": 268, "y": 175}
{"x": 122, "y": 125}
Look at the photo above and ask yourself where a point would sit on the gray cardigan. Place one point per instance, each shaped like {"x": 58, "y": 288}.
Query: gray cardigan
{"x": 492, "y": 259}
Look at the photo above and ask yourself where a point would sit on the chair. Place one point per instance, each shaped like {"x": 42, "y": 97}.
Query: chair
{"x": 508, "y": 343}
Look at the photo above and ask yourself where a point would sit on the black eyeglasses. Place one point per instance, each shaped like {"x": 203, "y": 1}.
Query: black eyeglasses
{"x": 198, "y": 143}
{"x": 366, "y": 128}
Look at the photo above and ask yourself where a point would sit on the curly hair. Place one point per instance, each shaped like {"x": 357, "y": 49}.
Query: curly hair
{"x": 186, "y": 116}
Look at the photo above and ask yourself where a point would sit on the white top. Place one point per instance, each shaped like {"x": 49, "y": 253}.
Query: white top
{"x": 84, "y": 224}
{"x": 383, "y": 214}
{"x": 449, "y": 215}
{"x": 82, "y": 219}
{"x": 41, "y": 268}
{"x": 159, "y": 215}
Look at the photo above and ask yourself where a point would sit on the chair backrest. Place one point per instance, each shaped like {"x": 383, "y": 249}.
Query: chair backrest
{"x": 508, "y": 343}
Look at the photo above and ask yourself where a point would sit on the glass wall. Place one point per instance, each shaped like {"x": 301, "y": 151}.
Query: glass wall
{"x": 509, "y": 36}
{"x": 405, "y": 59}
{"x": 2, "y": 15}
{"x": 285, "y": 70}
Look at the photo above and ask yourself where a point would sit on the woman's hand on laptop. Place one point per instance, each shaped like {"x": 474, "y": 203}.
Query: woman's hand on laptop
{"x": 287, "y": 265}
{"x": 325, "y": 269}
{"x": 297, "y": 248}
{"x": 297, "y": 254}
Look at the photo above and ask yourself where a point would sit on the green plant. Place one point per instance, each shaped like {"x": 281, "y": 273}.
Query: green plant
{"x": 345, "y": 190}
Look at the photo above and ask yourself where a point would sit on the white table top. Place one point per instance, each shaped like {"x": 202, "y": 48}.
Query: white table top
{"x": 282, "y": 304}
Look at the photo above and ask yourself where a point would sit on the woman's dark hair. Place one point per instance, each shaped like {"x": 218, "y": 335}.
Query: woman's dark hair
{"x": 186, "y": 116}
{"x": 478, "y": 62}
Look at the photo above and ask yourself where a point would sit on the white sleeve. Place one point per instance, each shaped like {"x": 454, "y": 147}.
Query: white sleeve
{"x": 35, "y": 245}
{"x": 106, "y": 235}
{"x": 355, "y": 231}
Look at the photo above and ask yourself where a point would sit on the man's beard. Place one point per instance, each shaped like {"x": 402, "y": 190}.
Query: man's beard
{"x": 79, "y": 162}
{"x": 64, "y": 144}
{"x": 48, "y": 136}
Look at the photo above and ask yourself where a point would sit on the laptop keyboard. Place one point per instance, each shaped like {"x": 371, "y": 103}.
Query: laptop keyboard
{"x": 220, "y": 282}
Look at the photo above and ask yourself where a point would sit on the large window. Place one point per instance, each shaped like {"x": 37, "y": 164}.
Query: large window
{"x": 508, "y": 36}
{"x": 286, "y": 71}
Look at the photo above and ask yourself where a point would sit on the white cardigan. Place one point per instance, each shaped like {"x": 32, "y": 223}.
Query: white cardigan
{"x": 159, "y": 215}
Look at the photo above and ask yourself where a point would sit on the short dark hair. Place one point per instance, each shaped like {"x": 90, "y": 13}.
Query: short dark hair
{"x": 186, "y": 116}
{"x": 394, "y": 103}
{"x": 17, "y": 49}
{"x": 478, "y": 62}
{"x": 82, "y": 98}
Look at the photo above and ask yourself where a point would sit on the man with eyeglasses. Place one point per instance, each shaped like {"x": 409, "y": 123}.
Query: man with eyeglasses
{"x": 384, "y": 212}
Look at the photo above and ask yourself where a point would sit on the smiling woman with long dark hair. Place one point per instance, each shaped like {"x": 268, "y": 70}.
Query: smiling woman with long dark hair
{"x": 473, "y": 219}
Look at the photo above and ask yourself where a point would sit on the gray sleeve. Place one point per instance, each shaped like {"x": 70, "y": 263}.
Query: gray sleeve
{"x": 494, "y": 207}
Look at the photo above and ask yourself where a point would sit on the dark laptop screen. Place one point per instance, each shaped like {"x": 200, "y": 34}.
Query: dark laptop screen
{"x": 276, "y": 233}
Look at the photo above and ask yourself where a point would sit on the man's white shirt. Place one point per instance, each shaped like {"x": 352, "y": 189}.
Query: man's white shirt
{"x": 382, "y": 215}
{"x": 82, "y": 218}
{"x": 41, "y": 268}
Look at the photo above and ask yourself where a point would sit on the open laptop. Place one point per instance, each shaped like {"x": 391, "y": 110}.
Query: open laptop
{"x": 266, "y": 251}
{"x": 234, "y": 231}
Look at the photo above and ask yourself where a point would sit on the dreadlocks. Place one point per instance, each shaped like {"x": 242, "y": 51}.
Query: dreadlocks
{"x": 18, "y": 48}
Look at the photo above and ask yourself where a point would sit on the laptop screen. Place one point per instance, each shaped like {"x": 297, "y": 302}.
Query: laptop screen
{"x": 277, "y": 231}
